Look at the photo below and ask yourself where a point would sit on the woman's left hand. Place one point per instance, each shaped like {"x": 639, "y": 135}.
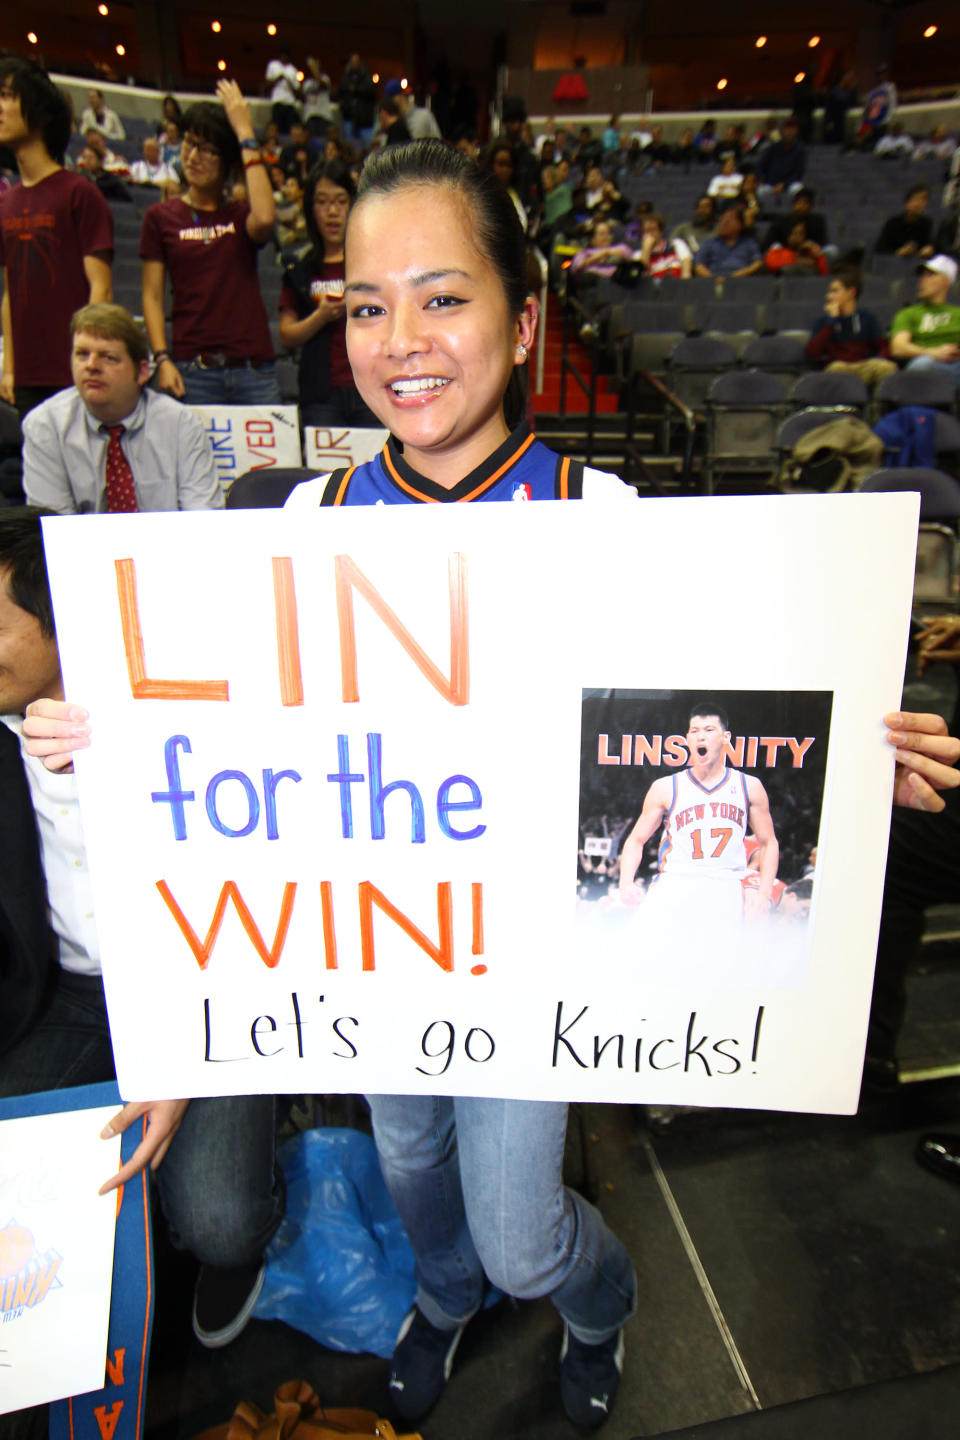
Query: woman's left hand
{"x": 238, "y": 111}
{"x": 926, "y": 756}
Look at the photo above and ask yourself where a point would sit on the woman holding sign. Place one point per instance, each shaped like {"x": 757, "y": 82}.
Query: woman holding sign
{"x": 439, "y": 329}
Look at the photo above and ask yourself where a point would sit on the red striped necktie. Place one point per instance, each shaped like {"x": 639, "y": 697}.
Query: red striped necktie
{"x": 121, "y": 495}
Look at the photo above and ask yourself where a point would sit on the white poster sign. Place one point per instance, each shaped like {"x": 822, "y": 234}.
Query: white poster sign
{"x": 339, "y": 447}
{"x": 343, "y": 766}
{"x": 251, "y": 437}
{"x": 56, "y": 1255}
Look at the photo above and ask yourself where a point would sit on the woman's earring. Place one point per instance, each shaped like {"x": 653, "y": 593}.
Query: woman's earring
{"x": 522, "y": 351}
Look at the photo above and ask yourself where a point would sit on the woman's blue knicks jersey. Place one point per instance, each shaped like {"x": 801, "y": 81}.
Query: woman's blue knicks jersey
{"x": 520, "y": 469}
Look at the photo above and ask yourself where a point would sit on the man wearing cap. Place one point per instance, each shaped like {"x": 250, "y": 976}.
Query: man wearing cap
{"x": 420, "y": 121}
{"x": 927, "y": 334}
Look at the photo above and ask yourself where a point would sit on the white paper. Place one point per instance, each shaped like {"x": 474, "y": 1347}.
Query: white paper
{"x": 250, "y": 437}
{"x": 56, "y": 1255}
{"x": 800, "y": 595}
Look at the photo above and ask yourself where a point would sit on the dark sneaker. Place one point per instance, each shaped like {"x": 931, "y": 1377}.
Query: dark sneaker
{"x": 223, "y": 1301}
{"x": 421, "y": 1365}
{"x": 590, "y": 1378}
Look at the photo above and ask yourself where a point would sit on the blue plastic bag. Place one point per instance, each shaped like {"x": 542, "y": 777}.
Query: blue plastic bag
{"x": 340, "y": 1267}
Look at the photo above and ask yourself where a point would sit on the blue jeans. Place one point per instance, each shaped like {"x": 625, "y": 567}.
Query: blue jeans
{"x": 945, "y": 367}
{"x": 247, "y": 384}
{"x": 218, "y": 1186}
{"x": 478, "y": 1184}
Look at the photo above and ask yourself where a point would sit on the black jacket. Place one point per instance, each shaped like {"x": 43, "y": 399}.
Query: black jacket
{"x": 26, "y": 945}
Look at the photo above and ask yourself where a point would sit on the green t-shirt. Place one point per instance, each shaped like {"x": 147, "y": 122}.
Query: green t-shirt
{"x": 929, "y": 325}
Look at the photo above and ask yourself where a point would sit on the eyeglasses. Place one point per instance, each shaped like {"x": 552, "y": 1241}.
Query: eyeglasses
{"x": 206, "y": 152}
{"x": 331, "y": 202}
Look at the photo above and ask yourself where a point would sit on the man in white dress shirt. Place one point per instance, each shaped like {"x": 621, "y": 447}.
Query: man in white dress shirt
{"x": 108, "y": 426}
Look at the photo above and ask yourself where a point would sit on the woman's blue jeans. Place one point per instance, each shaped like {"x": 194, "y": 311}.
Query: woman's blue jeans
{"x": 478, "y": 1184}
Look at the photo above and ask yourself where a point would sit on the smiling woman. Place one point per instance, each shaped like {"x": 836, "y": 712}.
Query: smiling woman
{"x": 439, "y": 329}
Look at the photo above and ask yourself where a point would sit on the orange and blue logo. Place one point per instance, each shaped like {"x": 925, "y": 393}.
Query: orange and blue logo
{"x": 26, "y": 1273}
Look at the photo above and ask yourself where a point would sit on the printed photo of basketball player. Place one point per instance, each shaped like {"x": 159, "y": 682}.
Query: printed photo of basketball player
{"x": 699, "y": 819}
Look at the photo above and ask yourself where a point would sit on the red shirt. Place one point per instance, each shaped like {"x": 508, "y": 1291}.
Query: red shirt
{"x": 212, "y": 264}
{"x": 46, "y": 230}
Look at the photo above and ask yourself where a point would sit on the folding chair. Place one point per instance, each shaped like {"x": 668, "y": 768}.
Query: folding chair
{"x": 917, "y": 387}
{"x": 782, "y": 353}
{"x": 694, "y": 363}
{"x": 744, "y": 409}
{"x": 832, "y": 387}
{"x": 936, "y": 572}
{"x": 266, "y": 489}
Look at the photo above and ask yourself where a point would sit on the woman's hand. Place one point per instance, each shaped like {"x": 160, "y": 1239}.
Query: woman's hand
{"x": 940, "y": 640}
{"x": 163, "y": 1122}
{"x": 238, "y": 111}
{"x": 926, "y": 756}
{"x": 54, "y": 730}
{"x": 170, "y": 380}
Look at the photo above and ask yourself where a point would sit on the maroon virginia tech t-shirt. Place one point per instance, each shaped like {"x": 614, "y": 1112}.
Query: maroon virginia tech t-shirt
{"x": 46, "y": 230}
{"x": 212, "y": 264}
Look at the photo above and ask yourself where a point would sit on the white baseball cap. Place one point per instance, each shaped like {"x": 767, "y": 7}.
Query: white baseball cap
{"x": 940, "y": 265}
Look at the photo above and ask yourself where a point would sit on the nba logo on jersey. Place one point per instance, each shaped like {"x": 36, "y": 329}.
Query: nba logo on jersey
{"x": 521, "y": 491}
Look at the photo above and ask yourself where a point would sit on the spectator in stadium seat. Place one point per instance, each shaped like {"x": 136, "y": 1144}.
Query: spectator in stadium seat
{"x": 705, "y": 140}
{"x": 797, "y": 253}
{"x": 393, "y": 127}
{"x": 910, "y": 232}
{"x": 299, "y": 156}
{"x": 111, "y": 186}
{"x": 601, "y": 256}
{"x": 728, "y": 253}
{"x": 702, "y": 227}
{"x": 927, "y": 334}
{"x": 801, "y": 208}
{"x": 110, "y": 163}
{"x": 749, "y": 202}
{"x": 171, "y": 143}
{"x": 50, "y": 269}
{"x": 658, "y": 152}
{"x": 685, "y": 151}
{"x": 603, "y": 199}
{"x": 421, "y": 122}
{"x": 782, "y": 166}
{"x": 99, "y": 116}
{"x": 664, "y": 258}
{"x": 152, "y": 169}
{"x": 845, "y": 337}
{"x": 312, "y": 309}
{"x": 727, "y": 184}
{"x": 938, "y": 145}
{"x": 221, "y": 352}
{"x": 69, "y": 461}
{"x": 895, "y": 144}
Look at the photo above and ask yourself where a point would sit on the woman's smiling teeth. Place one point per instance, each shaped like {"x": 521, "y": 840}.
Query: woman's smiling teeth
{"x": 417, "y": 385}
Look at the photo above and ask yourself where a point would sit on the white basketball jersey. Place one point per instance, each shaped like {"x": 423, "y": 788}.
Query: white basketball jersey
{"x": 704, "y": 829}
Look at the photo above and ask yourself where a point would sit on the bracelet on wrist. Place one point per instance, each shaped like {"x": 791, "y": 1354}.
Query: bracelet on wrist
{"x": 160, "y": 356}
{"x": 252, "y": 164}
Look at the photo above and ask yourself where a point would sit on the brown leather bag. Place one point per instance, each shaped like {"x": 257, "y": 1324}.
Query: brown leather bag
{"x": 299, "y": 1415}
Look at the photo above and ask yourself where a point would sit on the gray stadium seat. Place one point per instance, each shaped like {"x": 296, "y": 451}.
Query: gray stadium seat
{"x": 917, "y": 387}
{"x": 832, "y": 387}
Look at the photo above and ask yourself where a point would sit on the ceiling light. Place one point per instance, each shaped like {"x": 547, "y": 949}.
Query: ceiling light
{"x": 32, "y": 37}
{"x": 800, "y": 76}
{"x": 216, "y": 27}
{"x": 813, "y": 42}
{"x": 121, "y": 49}
{"x": 221, "y": 64}
{"x": 103, "y": 10}
{"x": 721, "y": 84}
{"x": 761, "y": 41}
{"x": 930, "y": 31}
{"x": 271, "y": 29}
